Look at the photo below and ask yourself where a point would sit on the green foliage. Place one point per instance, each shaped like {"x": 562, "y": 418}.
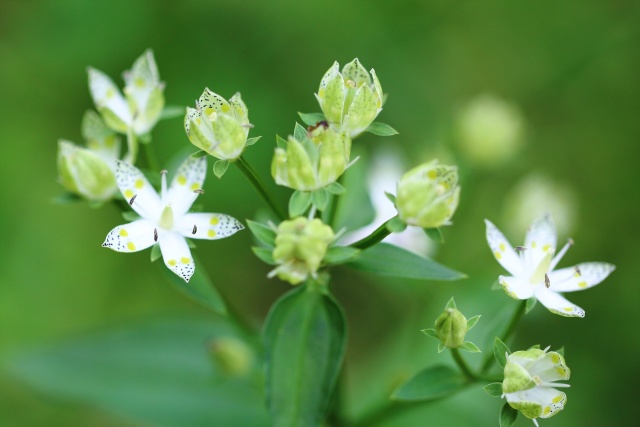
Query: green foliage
{"x": 470, "y": 347}
{"x": 508, "y": 416}
{"x": 265, "y": 254}
{"x": 381, "y": 129}
{"x": 472, "y": 322}
{"x": 156, "y": 253}
{"x": 493, "y": 389}
{"x": 264, "y": 234}
{"x": 220, "y": 167}
{"x": 305, "y": 340}
{"x": 251, "y": 141}
{"x": 320, "y": 199}
{"x": 531, "y": 302}
{"x": 431, "y": 383}
{"x": 434, "y": 234}
{"x": 340, "y": 254}
{"x": 500, "y": 350}
{"x": 199, "y": 154}
{"x": 299, "y": 203}
{"x": 396, "y": 225}
{"x": 311, "y": 119}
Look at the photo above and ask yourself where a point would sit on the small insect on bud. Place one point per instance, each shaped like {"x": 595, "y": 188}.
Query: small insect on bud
{"x": 547, "y": 282}
{"x": 155, "y": 234}
{"x": 132, "y": 199}
{"x": 195, "y": 229}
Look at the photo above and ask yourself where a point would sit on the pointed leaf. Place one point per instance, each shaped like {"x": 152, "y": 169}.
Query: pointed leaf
{"x": 441, "y": 348}
{"x": 560, "y": 351}
{"x": 470, "y": 347}
{"x": 391, "y": 197}
{"x": 381, "y": 129}
{"x": 508, "y": 416}
{"x": 432, "y": 383}
{"x": 493, "y": 389}
{"x": 340, "y": 254}
{"x": 299, "y": 202}
{"x": 500, "y": 350}
{"x": 304, "y": 339}
{"x": 311, "y": 119}
{"x": 199, "y": 288}
{"x": 265, "y": 254}
{"x": 300, "y": 132}
{"x": 171, "y": 112}
{"x": 220, "y": 167}
{"x": 531, "y": 302}
{"x": 251, "y": 141}
{"x": 389, "y": 260}
{"x": 281, "y": 143}
{"x": 434, "y": 234}
{"x": 262, "y": 233}
{"x": 430, "y": 332}
{"x": 472, "y": 322}
{"x": 451, "y": 304}
{"x": 156, "y": 253}
{"x": 336, "y": 188}
{"x": 320, "y": 198}
{"x": 199, "y": 154}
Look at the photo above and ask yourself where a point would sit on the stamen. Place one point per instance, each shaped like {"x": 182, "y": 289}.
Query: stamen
{"x": 547, "y": 282}
{"x": 197, "y": 105}
{"x": 155, "y": 234}
{"x": 163, "y": 185}
{"x": 247, "y": 125}
{"x": 578, "y": 270}
{"x": 199, "y": 191}
{"x": 520, "y": 249}
{"x": 195, "y": 229}
{"x": 560, "y": 254}
{"x": 132, "y": 199}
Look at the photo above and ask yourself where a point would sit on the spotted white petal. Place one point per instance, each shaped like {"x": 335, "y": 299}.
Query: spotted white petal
{"x": 582, "y": 276}
{"x": 176, "y": 254}
{"x": 210, "y": 226}
{"x": 502, "y": 250}
{"x": 106, "y": 94}
{"x": 132, "y": 237}
{"x": 137, "y": 191}
{"x": 551, "y": 367}
{"x": 557, "y": 304}
{"x": 210, "y": 102}
{"x": 186, "y": 184}
{"x": 538, "y": 402}
{"x": 541, "y": 239}
{"x": 517, "y": 287}
{"x": 332, "y": 71}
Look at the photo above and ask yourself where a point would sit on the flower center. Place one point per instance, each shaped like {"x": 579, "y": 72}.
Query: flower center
{"x": 538, "y": 276}
{"x": 166, "y": 218}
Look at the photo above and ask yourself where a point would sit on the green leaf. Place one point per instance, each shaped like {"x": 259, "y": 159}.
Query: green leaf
{"x": 251, "y": 141}
{"x": 500, "y": 350}
{"x": 299, "y": 203}
{"x": 472, "y": 322}
{"x": 389, "y": 260}
{"x": 220, "y": 167}
{"x": 199, "y": 154}
{"x": 355, "y": 211}
{"x": 470, "y": 347}
{"x": 496, "y": 285}
{"x": 336, "y": 188}
{"x": 396, "y": 225}
{"x": 130, "y": 216}
{"x": 431, "y": 383}
{"x": 451, "y": 304}
{"x": 441, "y": 348}
{"x": 560, "y": 351}
{"x": 300, "y": 132}
{"x": 508, "y": 416}
{"x": 531, "y": 302}
{"x": 390, "y": 197}
{"x": 171, "y": 112}
{"x": 265, "y": 255}
{"x": 281, "y": 142}
{"x": 66, "y": 198}
{"x": 199, "y": 288}
{"x": 305, "y": 340}
{"x": 263, "y": 234}
{"x": 434, "y": 234}
{"x": 430, "y": 332}
{"x": 156, "y": 253}
{"x": 493, "y": 389}
{"x": 145, "y": 138}
{"x": 320, "y": 198}
{"x": 340, "y": 255}
{"x": 158, "y": 373}
{"x": 311, "y": 119}
{"x": 381, "y": 129}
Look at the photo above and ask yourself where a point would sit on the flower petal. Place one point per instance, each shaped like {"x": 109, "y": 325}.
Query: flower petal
{"x": 210, "y": 226}
{"x": 550, "y": 367}
{"x": 557, "y": 304}
{"x": 502, "y": 250}
{"x": 517, "y": 288}
{"x": 187, "y": 181}
{"x": 541, "y": 238}
{"x": 132, "y": 237}
{"x": 210, "y": 102}
{"x": 543, "y": 402}
{"x": 106, "y": 94}
{"x": 332, "y": 71}
{"x": 176, "y": 254}
{"x": 137, "y": 191}
{"x": 582, "y": 276}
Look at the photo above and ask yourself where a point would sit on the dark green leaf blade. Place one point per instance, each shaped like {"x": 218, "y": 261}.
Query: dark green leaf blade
{"x": 508, "y": 416}
{"x": 264, "y": 234}
{"x": 493, "y": 389}
{"x": 389, "y": 260}
{"x": 500, "y": 350}
{"x": 431, "y": 383}
{"x": 381, "y": 129}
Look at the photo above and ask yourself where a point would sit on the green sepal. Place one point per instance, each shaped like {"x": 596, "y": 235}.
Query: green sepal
{"x": 336, "y": 188}
{"x": 472, "y": 322}
{"x": 130, "y": 216}
{"x": 171, "y": 112}
{"x": 145, "y": 138}
{"x": 560, "y": 351}
{"x": 66, "y": 198}
{"x": 220, "y": 167}
{"x": 496, "y": 285}
{"x": 531, "y": 302}
{"x": 156, "y": 253}
{"x": 435, "y": 382}
{"x": 191, "y": 244}
{"x": 430, "y": 332}
{"x": 320, "y": 198}
{"x": 441, "y": 348}
{"x": 451, "y": 304}
{"x": 434, "y": 234}
{"x": 493, "y": 389}
{"x": 253, "y": 140}
{"x": 508, "y": 416}
{"x": 262, "y": 233}
{"x": 396, "y": 225}
{"x": 265, "y": 254}
{"x": 470, "y": 347}
{"x": 300, "y": 132}
{"x": 311, "y": 119}
{"x": 199, "y": 154}
{"x": 299, "y": 203}
{"x": 500, "y": 350}
{"x": 381, "y": 129}
{"x": 391, "y": 197}
{"x": 280, "y": 142}
{"x": 340, "y": 254}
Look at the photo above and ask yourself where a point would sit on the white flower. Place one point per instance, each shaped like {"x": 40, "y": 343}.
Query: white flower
{"x": 529, "y": 381}
{"x": 164, "y": 218}
{"x": 532, "y": 268}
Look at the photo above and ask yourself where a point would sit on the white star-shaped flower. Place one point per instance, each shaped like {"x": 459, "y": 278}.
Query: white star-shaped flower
{"x": 532, "y": 268}
{"x": 164, "y": 218}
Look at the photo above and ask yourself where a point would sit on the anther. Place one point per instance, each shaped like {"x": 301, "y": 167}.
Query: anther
{"x": 163, "y": 172}
{"x": 195, "y": 229}
{"x": 199, "y": 191}
{"x": 570, "y": 241}
{"x": 155, "y": 234}
{"x": 547, "y": 282}
{"x": 520, "y": 248}
{"x": 578, "y": 270}
{"x": 132, "y": 199}
{"x": 247, "y": 125}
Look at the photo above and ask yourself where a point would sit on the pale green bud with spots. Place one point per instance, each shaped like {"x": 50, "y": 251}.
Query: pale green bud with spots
{"x": 313, "y": 163}
{"x": 451, "y": 328}
{"x": 301, "y": 245}
{"x": 428, "y": 195}
{"x": 351, "y": 99}
{"x": 138, "y": 110}
{"x": 218, "y": 126}
{"x": 530, "y": 385}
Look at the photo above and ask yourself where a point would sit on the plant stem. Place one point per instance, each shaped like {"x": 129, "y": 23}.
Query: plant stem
{"x": 515, "y": 318}
{"x": 152, "y": 159}
{"x": 259, "y": 186}
{"x": 457, "y": 357}
{"x": 376, "y": 237}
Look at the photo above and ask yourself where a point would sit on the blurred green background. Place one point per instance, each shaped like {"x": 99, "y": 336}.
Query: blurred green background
{"x": 570, "y": 68}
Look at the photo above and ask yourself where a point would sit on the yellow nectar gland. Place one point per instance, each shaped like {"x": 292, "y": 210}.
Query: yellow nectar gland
{"x": 214, "y": 220}
{"x": 128, "y": 194}
{"x": 172, "y": 262}
{"x": 211, "y": 233}
{"x": 123, "y": 232}
{"x": 185, "y": 260}
{"x": 182, "y": 180}
{"x": 131, "y": 246}
{"x": 139, "y": 184}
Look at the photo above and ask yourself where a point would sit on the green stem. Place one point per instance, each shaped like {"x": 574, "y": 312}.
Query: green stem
{"x": 376, "y": 237}
{"x": 515, "y": 318}
{"x": 332, "y": 209}
{"x": 132, "y": 147}
{"x": 457, "y": 357}
{"x": 152, "y": 159}
{"x": 259, "y": 186}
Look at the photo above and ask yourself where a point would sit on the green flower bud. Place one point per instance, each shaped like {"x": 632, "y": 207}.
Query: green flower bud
{"x": 301, "y": 244}
{"x": 218, "y": 126}
{"x": 428, "y": 195}
{"x": 85, "y": 172}
{"x": 232, "y": 356}
{"x": 313, "y": 163}
{"x": 451, "y": 327}
{"x": 351, "y": 99}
